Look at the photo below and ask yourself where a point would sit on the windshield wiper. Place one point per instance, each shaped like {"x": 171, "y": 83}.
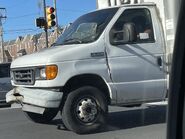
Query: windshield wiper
{"x": 72, "y": 40}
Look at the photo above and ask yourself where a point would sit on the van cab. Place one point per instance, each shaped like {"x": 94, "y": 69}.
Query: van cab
{"x": 112, "y": 56}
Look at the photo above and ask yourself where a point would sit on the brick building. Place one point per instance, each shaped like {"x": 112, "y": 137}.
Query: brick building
{"x": 26, "y": 45}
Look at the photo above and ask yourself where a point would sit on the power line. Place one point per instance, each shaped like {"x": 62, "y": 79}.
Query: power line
{"x": 72, "y": 10}
{"x": 16, "y": 30}
{"x": 21, "y": 25}
{"x": 37, "y": 13}
{"x": 22, "y": 32}
{"x": 22, "y": 16}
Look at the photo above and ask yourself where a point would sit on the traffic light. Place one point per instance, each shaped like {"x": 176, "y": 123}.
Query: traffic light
{"x": 50, "y": 15}
{"x": 40, "y": 22}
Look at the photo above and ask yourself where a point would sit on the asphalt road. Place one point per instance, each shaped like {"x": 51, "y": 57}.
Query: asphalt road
{"x": 146, "y": 122}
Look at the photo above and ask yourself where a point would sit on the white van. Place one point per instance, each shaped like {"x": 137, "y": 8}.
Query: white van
{"x": 106, "y": 57}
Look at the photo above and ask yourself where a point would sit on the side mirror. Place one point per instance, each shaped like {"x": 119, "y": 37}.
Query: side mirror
{"x": 126, "y": 35}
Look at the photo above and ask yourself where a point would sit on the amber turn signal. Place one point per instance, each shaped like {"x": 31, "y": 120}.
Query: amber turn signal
{"x": 51, "y": 72}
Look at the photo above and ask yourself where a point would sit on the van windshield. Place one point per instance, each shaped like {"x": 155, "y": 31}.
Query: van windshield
{"x": 87, "y": 28}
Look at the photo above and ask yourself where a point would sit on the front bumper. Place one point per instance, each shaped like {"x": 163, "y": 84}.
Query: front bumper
{"x": 35, "y": 97}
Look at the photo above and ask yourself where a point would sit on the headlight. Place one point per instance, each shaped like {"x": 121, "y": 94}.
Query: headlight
{"x": 46, "y": 73}
{"x": 43, "y": 73}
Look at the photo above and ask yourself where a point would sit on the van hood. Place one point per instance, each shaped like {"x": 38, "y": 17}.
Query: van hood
{"x": 55, "y": 54}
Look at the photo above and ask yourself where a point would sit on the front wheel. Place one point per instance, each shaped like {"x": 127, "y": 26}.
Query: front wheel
{"x": 85, "y": 110}
{"x": 46, "y": 117}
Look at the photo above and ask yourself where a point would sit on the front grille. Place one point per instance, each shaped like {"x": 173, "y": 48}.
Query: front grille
{"x": 23, "y": 76}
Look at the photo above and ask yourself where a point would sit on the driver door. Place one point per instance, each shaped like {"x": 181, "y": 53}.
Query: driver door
{"x": 136, "y": 67}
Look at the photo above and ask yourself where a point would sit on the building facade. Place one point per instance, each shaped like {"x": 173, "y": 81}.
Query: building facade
{"x": 27, "y": 45}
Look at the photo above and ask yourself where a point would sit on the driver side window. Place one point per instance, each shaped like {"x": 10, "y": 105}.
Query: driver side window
{"x": 141, "y": 22}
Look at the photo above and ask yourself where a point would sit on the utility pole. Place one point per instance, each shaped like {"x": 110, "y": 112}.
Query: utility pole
{"x": 56, "y": 18}
{"x": 45, "y": 27}
{"x": 1, "y": 33}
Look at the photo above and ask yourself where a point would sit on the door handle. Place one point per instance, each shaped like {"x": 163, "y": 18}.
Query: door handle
{"x": 160, "y": 61}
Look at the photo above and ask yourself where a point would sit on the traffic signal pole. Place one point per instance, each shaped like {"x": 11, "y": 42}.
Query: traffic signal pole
{"x": 45, "y": 27}
{"x": 2, "y": 45}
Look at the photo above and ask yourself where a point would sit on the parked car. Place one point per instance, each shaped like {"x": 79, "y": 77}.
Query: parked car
{"x": 5, "y": 82}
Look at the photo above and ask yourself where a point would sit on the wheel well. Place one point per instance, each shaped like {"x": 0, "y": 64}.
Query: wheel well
{"x": 84, "y": 80}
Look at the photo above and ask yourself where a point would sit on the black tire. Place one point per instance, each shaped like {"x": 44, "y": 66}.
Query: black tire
{"x": 88, "y": 100}
{"x": 46, "y": 117}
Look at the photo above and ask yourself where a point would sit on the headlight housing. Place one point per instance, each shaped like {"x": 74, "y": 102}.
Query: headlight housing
{"x": 48, "y": 72}
{"x": 42, "y": 73}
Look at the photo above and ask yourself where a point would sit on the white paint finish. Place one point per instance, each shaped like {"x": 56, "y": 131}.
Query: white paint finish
{"x": 128, "y": 63}
{"x": 135, "y": 82}
{"x": 37, "y": 97}
{"x": 148, "y": 91}
{"x": 170, "y": 37}
{"x": 137, "y": 63}
{"x": 15, "y": 105}
{"x": 169, "y": 24}
{"x": 34, "y": 109}
{"x": 102, "y": 4}
{"x": 166, "y": 11}
{"x": 158, "y": 103}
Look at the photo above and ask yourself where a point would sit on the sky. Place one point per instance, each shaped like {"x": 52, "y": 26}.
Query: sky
{"x": 21, "y": 14}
